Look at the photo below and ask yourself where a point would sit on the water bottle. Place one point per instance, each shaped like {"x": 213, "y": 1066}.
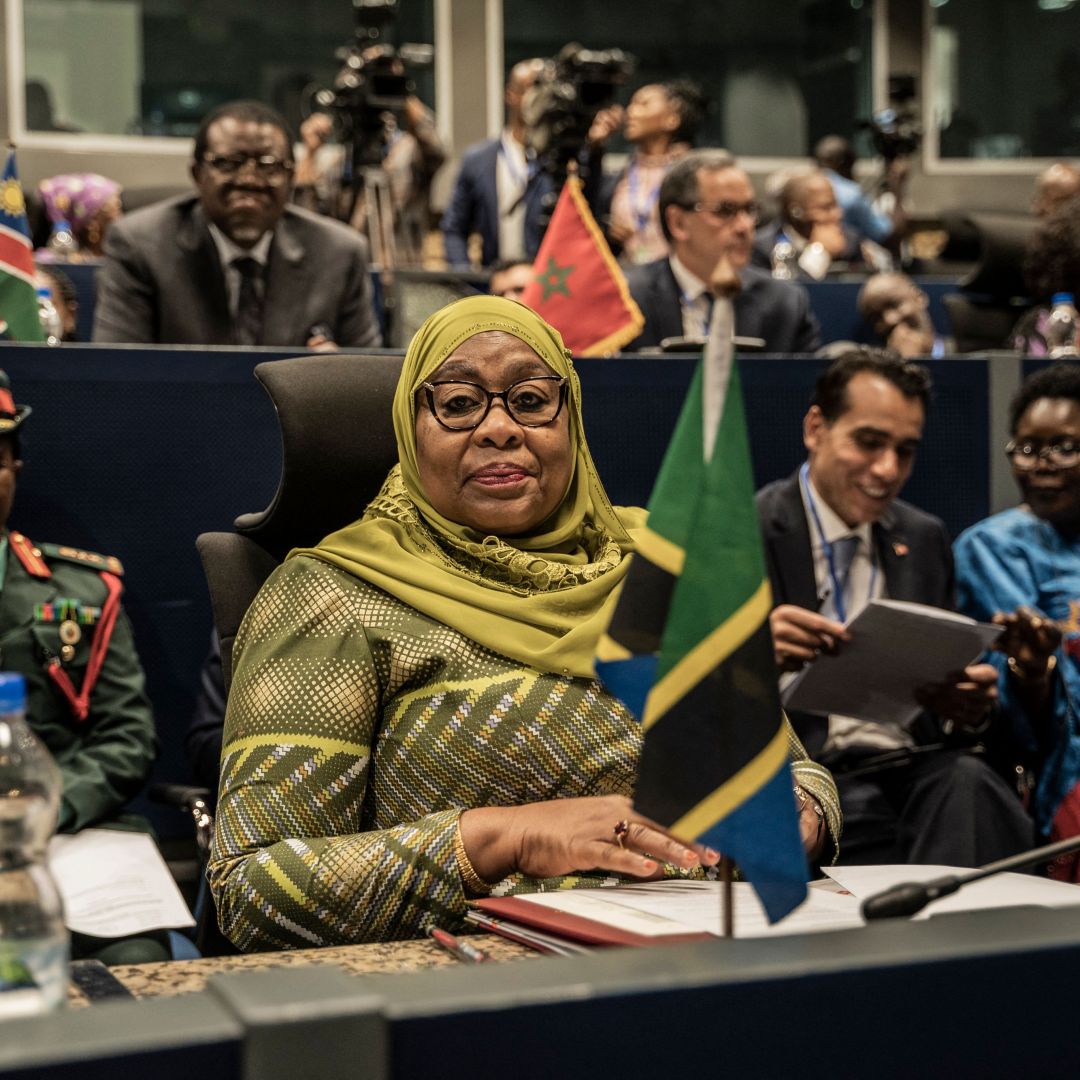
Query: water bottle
{"x": 62, "y": 242}
{"x": 1061, "y": 327}
{"x": 33, "y": 939}
{"x": 784, "y": 261}
{"x": 51, "y": 323}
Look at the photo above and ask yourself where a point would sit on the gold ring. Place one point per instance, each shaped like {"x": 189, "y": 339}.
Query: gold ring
{"x": 620, "y": 831}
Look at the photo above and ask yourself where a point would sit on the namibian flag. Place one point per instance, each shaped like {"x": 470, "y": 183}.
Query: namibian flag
{"x": 18, "y": 297}
{"x": 689, "y": 650}
{"x": 577, "y": 285}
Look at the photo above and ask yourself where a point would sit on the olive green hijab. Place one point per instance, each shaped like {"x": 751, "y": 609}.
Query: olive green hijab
{"x": 543, "y": 598}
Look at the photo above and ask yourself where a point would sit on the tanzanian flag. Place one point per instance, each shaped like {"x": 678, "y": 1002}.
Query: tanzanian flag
{"x": 689, "y": 650}
{"x": 18, "y": 297}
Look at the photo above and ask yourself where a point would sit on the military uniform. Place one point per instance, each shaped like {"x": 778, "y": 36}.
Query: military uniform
{"x": 63, "y": 629}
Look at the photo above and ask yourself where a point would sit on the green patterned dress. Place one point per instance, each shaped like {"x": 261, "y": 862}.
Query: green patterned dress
{"x": 357, "y": 732}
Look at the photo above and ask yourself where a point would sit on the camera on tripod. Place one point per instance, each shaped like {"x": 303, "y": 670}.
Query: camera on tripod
{"x": 563, "y": 102}
{"x": 373, "y": 80}
{"x": 896, "y": 132}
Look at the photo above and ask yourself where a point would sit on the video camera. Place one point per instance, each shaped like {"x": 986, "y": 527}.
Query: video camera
{"x": 373, "y": 80}
{"x": 563, "y": 102}
{"x": 896, "y": 132}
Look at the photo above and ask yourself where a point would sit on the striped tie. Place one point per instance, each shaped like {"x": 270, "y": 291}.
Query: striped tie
{"x": 247, "y": 327}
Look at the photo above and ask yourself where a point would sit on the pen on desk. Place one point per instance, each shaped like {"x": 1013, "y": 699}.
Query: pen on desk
{"x": 465, "y": 951}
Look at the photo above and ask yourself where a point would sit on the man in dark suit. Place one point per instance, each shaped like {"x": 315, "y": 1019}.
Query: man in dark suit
{"x": 810, "y": 230}
{"x": 234, "y": 264}
{"x": 836, "y": 537}
{"x": 499, "y": 192}
{"x": 707, "y": 211}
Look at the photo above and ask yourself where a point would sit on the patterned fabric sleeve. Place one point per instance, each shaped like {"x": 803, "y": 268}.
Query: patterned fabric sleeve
{"x": 817, "y": 781}
{"x": 290, "y": 866}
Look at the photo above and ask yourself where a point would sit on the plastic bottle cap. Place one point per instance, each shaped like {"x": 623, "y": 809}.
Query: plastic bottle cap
{"x": 12, "y": 692}
{"x": 44, "y": 293}
{"x": 1061, "y": 298}
{"x": 62, "y": 226}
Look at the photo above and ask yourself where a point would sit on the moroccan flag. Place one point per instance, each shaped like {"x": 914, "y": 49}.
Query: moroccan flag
{"x": 577, "y": 284}
{"x": 689, "y": 649}
{"x": 18, "y": 297}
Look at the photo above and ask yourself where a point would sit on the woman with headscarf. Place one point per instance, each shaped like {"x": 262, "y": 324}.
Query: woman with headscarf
{"x": 413, "y": 717}
{"x": 88, "y": 202}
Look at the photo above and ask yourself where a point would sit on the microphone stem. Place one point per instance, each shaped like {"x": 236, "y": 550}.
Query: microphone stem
{"x": 1025, "y": 858}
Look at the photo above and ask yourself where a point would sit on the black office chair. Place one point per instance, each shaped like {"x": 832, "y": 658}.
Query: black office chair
{"x": 993, "y": 297}
{"x": 337, "y": 442}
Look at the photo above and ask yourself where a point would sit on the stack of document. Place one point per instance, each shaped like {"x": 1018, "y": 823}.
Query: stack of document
{"x": 666, "y": 912}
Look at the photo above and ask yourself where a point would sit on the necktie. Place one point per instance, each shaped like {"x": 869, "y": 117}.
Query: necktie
{"x": 247, "y": 327}
{"x": 844, "y": 551}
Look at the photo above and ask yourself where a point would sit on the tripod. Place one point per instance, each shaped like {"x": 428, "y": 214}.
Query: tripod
{"x": 373, "y": 215}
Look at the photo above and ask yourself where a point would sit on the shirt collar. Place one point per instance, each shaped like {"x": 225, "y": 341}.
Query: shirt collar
{"x": 832, "y": 525}
{"x": 512, "y": 146}
{"x": 229, "y": 251}
{"x": 691, "y": 285}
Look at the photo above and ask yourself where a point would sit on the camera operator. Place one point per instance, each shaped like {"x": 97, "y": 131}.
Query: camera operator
{"x": 411, "y": 154}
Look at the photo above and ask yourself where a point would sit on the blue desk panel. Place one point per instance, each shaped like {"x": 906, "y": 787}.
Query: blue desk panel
{"x": 135, "y": 451}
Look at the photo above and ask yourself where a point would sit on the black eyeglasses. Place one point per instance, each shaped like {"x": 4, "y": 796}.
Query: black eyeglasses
{"x": 726, "y": 211}
{"x": 1027, "y": 456}
{"x": 461, "y": 406}
{"x": 267, "y": 167}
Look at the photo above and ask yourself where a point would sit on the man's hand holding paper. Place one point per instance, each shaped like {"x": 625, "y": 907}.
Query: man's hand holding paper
{"x": 799, "y": 635}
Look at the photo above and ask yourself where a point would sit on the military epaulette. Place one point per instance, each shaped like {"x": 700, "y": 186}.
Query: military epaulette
{"x": 90, "y": 559}
{"x": 29, "y": 554}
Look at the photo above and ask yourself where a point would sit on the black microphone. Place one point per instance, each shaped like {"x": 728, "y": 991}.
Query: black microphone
{"x": 911, "y": 897}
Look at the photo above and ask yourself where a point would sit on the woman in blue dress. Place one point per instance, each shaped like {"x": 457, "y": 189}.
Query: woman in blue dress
{"x": 1021, "y": 568}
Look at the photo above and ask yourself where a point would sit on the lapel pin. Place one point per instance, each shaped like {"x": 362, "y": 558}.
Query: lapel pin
{"x": 900, "y": 549}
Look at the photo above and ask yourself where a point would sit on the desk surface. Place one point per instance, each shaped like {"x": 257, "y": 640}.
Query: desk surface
{"x": 189, "y": 976}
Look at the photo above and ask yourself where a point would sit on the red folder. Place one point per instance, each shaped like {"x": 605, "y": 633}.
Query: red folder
{"x": 575, "y": 927}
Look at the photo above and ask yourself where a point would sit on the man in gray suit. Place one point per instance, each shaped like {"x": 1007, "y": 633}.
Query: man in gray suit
{"x": 235, "y": 264}
{"x": 707, "y": 210}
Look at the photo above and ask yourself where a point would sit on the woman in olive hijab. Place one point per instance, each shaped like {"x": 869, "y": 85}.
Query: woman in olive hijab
{"x": 413, "y": 718}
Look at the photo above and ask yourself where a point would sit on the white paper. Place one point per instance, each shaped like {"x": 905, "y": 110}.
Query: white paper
{"x": 663, "y": 908}
{"x": 896, "y": 647}
{"x": 115, "y": 884}
{"x": 1002, "y": 890}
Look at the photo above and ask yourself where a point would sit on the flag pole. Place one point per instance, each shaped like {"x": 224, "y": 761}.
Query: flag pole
{"x": 727, "y": 899}
{"x": 719, "y": 355}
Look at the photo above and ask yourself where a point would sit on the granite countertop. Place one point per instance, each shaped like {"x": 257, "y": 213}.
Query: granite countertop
{"x": 189, "y": 976}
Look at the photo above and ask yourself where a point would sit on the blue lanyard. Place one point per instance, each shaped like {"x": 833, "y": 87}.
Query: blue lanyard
{"x": 830, "y": 558}
{"x": 707, "y": 317}
{"x": 641, "y": 217}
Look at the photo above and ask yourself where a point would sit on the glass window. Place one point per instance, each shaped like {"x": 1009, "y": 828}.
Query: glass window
{"x": 779, "y": 73}
{"x": 155, "y": 67}
{"x": 1006, "y": 78}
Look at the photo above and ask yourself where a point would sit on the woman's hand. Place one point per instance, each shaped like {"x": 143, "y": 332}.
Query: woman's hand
{"x": 965, "y": 698}
{"x": 812, "y": 827}
{"x": 1029, "y": 640}
{"x": 547, "y": 839}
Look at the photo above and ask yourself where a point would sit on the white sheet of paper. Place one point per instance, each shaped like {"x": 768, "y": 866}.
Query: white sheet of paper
{"x": 1004, "y": 890}
{"x": 896, "y": 647}
{"x": 115, "y": 883}
{"x": 661, "y": 908}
